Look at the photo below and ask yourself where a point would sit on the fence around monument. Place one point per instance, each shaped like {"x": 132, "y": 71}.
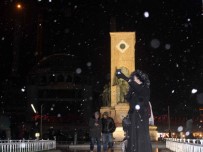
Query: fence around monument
{"x": 184, "y": 145}
{"x": 26, "y": 145}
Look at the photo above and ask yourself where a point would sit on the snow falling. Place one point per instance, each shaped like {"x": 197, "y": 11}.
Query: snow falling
{"x": 168, "y": 45}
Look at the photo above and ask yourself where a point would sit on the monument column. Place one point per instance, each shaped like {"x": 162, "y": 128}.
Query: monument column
{"x": 122, "y": 56}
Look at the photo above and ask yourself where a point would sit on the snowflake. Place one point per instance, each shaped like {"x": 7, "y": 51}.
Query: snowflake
{"x": 146, "y": 14}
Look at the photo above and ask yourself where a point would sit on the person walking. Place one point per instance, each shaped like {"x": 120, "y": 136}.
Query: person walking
{"x": 95, "y": 126}
{"x": 108, "y": 127}
{"x": 138, "y": 139}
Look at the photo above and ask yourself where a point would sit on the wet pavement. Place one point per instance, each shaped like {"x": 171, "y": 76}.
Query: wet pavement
{"x": 115, "y": 150}
{"x": 156, "y": 146}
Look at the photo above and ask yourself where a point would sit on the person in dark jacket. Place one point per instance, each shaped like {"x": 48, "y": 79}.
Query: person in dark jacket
{"x": 95, "y": 131}
{"x": 108, "y": 127}
{"x": 138, "y": 139}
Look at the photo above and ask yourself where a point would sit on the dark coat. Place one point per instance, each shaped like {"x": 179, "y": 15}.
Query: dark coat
{"x": 108, "y": 125}
{"x": 138, "y": 131}
{"x": 95, "y": 131}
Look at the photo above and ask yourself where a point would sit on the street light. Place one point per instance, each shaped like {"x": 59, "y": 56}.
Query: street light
{"x": 19, "y": 6}
{"x": 37, "y": 135}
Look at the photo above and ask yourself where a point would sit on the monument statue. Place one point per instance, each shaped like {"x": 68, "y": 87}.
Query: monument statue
{"x": 123, "y": 90}
{"x": 106, "y": 94}
{"x": 122, "y": 86}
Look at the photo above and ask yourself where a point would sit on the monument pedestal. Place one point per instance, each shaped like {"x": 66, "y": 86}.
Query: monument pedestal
{"x": 121, "y": 110}
{"x": 153, "y": 133}
{"x": 119, "y": 134}
{"x": 110, "y": 110}
{"x": 118, "y": 112}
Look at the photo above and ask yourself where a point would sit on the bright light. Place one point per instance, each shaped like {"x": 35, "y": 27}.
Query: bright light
{"x": 19, "y": 6}
{"x": 180, "y": 128}
{"x": 137, "y": 107}
{"x": 37, "y": 135}
{"x": 187, "y": 133}
{"x": 33, "y": 108}
{"x": 146, "y": 14}
{"x": 23, "y": 89}
{"x": 194, "y": 91}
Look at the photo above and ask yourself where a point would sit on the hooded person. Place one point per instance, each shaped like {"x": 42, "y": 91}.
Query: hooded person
{"x": 138, "y": 97}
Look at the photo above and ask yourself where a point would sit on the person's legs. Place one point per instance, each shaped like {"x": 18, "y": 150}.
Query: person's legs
{"x": 110, "y": 141}
{"x": 92, "y": 141}
{"x": 98, "y": 145}
{"x": 105, "y": 142}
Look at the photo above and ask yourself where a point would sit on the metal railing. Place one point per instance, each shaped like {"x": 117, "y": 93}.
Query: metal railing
{"x": 184, "y": 145}
{"x": 26, "y": 145}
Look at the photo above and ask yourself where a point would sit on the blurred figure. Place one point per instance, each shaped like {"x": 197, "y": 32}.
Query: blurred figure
{"x": 108, "y": 127}
{"x": 95, "y": 131}
{"x": 189, "y": 126}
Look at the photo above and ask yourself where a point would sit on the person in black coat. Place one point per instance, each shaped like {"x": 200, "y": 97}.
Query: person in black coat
{"x": 108, "y": 127}
{"x": 138, "y": 139}
{"x": 95, "y": 126}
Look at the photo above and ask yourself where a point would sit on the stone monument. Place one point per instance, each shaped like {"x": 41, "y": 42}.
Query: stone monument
{"x": 122, "y": 57}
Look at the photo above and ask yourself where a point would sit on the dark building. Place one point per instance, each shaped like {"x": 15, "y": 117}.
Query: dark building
{"x": 60, "y": 93}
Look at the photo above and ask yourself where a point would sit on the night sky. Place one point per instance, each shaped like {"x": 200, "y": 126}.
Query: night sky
{"x": 169, "y": 42}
